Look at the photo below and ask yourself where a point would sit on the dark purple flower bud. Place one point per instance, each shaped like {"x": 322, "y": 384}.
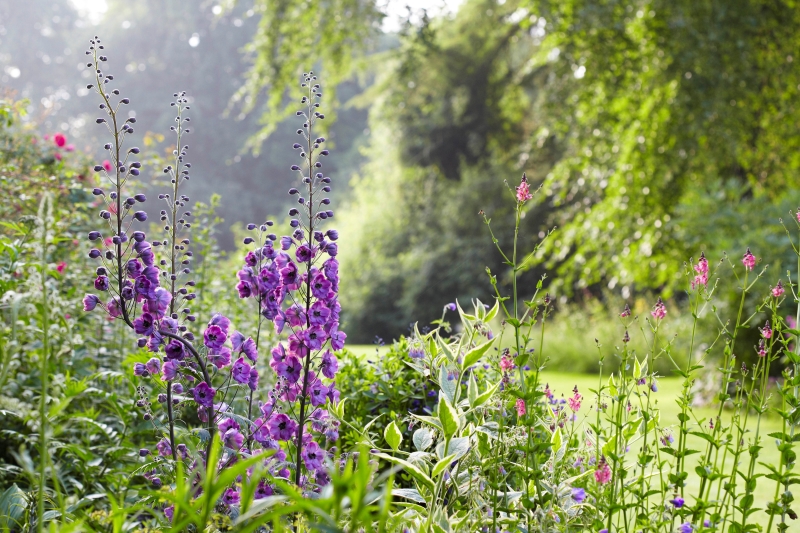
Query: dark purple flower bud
{"x": 140, "y": 198}
{"x": 332, "y": 234}
{"x": 293, "y": 212}
{"x": 177, "y": 388}
{"x": 144, "y": 452}
{"x": 94, "y": 235}
{"x": 97, "y": 192}
{"x": 251, "y": 227}
{"x": 295, "y": 167}
{"x": 134, "y": 150}
{"x": 294, "y": 223}
{"x": 94, "y": 253}
{"x": 141, "y": 342}
{"x": 138, "y": 236}
{"x": 98, "y": 168}
{"x": 141, "y": 216}
{"x": 293, "y": 191}
{"x": 105, "y": 214}
{"x": 100, "y": 120}
{"x": 90, "y": 301}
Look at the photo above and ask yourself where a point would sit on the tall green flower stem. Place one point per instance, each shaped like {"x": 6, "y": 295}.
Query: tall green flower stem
{"x": 44, "y": 308}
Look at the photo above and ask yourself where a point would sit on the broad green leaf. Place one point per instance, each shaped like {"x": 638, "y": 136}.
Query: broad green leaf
{"x": 448, "y": 415}
{"x": 414, "y": 471}
{"x": 555, "y": 439}
{"x": 441, "y": 465}
{"x": 393, "y": 435}
{"x": 423, "y": 438}
{"x": 472, "y": 356}
{"x": 472, "y": 390}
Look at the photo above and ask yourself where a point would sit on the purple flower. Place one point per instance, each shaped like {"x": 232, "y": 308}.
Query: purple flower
{"x": 303, "y": 254}
{"x": 337, "y": 339}
{"x": 318, "y": 314}
{"x": 90, "y": 301}
{"x": 286, "y": 242}
{"x": 158, "y": 302}
{"x": 236, "y": 340}
{"x": 289, "y": 276}
{"x": 222, "y": 321}
{"x": 134, "y": 268}
{"x": 677, "y": 502}
{"x": 296, "y": 316}
{"x": 282, "y": 428}
{"x": 289, "y": 369}
{"x": 169, "y": 370}
{"x": 318, "y": 393}
{"x": 314, "y": 337}
{"x": 450, "y": 307}
{"x": 244, "y": 288}
{"x": 686, "y": 527}
{"x": 101, "y": 283}
{"x": 220, "y": 358}
{"x": 164, "y": 449}
{"x": 263, "y": 490}
{"x": 230, "y": 497}
{"x": 312, "y": 456}
{"x": 268, "y": 279}
{"x": 153, "y": 366}
{"x": 240, "y": 371}
{"x": 320, "y": 287}
{"x": 329, "y": 365}
{"x": 578, "y": 494}
{"x": 249, "y": 349}
{"x": 252, "y": 381}
{"x": 232, "y": 439}
{"x": 143, "y": 325}
{"x": 250, "y": 259}
{"x": 204, "y": 395}
{"x": 174, "y": 350}
{"x": 214, "y": 337}
{"x": 140, "y": 370}
{"x": 169, "y": 512}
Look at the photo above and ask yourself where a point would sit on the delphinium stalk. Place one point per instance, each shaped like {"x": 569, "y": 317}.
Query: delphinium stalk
{"x": 300, "y": 294}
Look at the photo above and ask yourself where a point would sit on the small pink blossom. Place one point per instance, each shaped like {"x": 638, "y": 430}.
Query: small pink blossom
{"x": 749, "y": 260}
{"x": 626, "y": 312}
{"x": 57, "y": 155}
{"x": 762, "y": 348}
{"x": 506, "y": 363}
{"x": 523, "y": 190}
{"x": 778, "y": 290}
{"x": 61, "y": 267}
{"x": 107, "y": 165}
{"x": 766, "y": 331}
{"x": 603, "y": 473}
{"x": 520, "y": 407}
{"x": 702, "y": 265}
{"x": 659, "y": 310}
{"x": 60, "y": 139}
{"x": 575, "y": 401}
{"x": 69, "y": 148}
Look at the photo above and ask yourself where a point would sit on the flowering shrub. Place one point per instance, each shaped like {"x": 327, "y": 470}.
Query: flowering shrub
{"x": 293, "y": 283}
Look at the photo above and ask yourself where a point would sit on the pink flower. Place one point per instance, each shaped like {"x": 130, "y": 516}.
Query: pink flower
{"x": 766, "y": 331}
{"x": 659, "y": 310}
{"x": 749, "y": 260}
{"x": 70, "y": 148}
{"x": 762, "y": 348}
{"x": 107, "y": 165}
{"x": 57, "y": 155}
{"x": 60, "y": 139}
{"x": 603, "y": 473}
{"x": 702, "y": 265}
{"x": 520, "y": 407}
{"x": 575, "y": 401}
{"x": 625, "y": 312}
{"x": 778, "y": 290}
{"x": 523, "y": 190}
{"x": 60, "y": 267}
{"x": 506, "y": 364}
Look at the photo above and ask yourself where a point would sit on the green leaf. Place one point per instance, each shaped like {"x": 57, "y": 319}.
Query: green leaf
{"x": 484, "y": 397}
{"x": 472, "y": 390}
{"x": 409, "y": 494}
{"x": 448, "y": 415}
{"x": 555, "y": 439}
{"x": 423, "y": 438}
{"x": 472, "y": 356}
{"x": 448, "y": 386}
{"x": 492, "y": 313}
{"x": 413, "y": 470}
{"x": 441, "y": 465}
{"x": 393, "y": 435}
{"x": 12, "y": 508}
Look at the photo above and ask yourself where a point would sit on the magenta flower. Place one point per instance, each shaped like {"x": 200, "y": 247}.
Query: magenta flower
{"x": 101, "y": 283}
{"x": 313, "y": 456}
{"x": 523, "y": 190}
{"x": 60, "y": 139}
{"x": 337, "y": 339}
{"x": 749, "y": 260}
{"x": 319, "y": 313}
{"x": 230, "y": 497}
{"x": 164, "y": 449}
{"x": 318, "y": 392}
{"x": 603, "y": 473}
{"x": 204, "y": 395}
{"x": 766, "y": 331}
{"x": 659, "y": 310}
{"x": 290, "y": 369}
{"x": 220, "y": 358}
{"x": 778, "y": 290}
{"x": 240, "y": 371}
{"x": 520, "y": 406}
{"x": 90, "y": 301}
{"x": 282, "y": 428}
{"x": 249, "y": 349}
{"x": 329, "y": 365}
{"x": 214, "y": 337}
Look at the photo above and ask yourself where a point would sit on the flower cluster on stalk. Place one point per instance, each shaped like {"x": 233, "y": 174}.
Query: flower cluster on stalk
{"x": 145, "y": 283}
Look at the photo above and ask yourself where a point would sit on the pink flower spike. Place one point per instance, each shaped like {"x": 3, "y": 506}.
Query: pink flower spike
{"x": 603, "y": 473}
{"x": 520, "y": 407}
{"x": 749, "y": 260}
{"x": 523, "y": 190}
{"x": 778, "y": 290}
{"x": 659, "y": 310}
